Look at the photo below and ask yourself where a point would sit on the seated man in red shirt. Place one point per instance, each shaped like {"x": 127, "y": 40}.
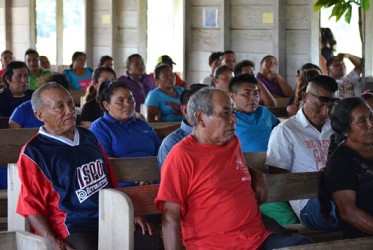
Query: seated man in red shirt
{"x": 207, "y": 188}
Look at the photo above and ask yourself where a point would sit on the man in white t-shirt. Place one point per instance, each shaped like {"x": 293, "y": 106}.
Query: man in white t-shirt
{"x": 300, "y": 144}
{"x": 348, "y": 85}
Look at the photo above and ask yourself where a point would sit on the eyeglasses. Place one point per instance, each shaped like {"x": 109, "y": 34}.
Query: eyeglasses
{"x": 325, "y": 99}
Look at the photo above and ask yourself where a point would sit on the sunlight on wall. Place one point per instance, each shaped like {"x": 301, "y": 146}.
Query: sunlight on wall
{"x": 165, "y": 33}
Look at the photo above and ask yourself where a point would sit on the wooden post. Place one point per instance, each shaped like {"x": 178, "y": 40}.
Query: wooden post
{"x": 226, "y": 37}
{"x": 8, "y": 24}
{"x": 59, "y": 32}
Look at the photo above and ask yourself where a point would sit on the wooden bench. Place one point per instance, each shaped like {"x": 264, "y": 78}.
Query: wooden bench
{"x": 139, "y": 201}
{"x": 358, "y": 244}
{"x": 12, "y": 140}
{"x": 125, "y": 170}
{"x": 19, "y": 240}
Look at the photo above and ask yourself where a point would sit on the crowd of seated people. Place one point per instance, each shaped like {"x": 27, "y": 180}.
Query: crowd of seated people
{"x": 232, "y": 116}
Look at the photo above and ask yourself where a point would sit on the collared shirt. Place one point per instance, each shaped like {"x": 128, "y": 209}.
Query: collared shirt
{"x": 297, "y": 146}
{"x": 134, "y": 138}
{"x": 62, "y": 138}
{"x": 171, "y": 140}
{"x": 139, "y": 89}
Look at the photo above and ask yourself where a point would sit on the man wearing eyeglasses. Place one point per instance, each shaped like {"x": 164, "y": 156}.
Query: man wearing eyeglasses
{"x": 300, "y": 144}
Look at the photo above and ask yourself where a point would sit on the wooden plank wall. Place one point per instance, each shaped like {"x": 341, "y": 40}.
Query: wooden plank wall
{"x": 240, "y": 28}
{"x": 201, "y": 41}
{"x": 300, "y": 18}
{"x": 101, "y": 32}
{"x": 20, "y": 27}
{"x": 288, "y": 37}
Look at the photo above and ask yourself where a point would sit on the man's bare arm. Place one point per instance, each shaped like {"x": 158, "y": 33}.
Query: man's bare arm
{"x": 41, "y": 225}
{"x": 258, "y": 185}
{"x": 171, "y": 225}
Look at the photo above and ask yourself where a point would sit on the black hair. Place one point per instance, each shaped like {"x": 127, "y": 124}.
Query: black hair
{"x": 185, "y": 96}
{"x": 325, "y": 82}
{"x": 91, "y": 91}
{"x": 103, "y": 59}
{"x": 214, "y": 56}
{"x": 8, "y": 73}
{"x": 129, "y": 59}
{"x": 222, "y": 68}
{"x": 30, "y": 52}
{"x": 107, "y": 89}
{"x": 6, "y": 51}
{"x": 97, "y": 73}
{"x": 75, "y": 56}
{"x": 327, "y": 38}
{"x": 237, "y": 82}
{"x": 302, "y": 82}
{"x": 330, "y": 61}
{"x": 264, "y": 58}
{"x": 340, "y": 120}
{"x": 228, "y": 52}
{"x": 60, "y": 79}
{"x": 308, "y": 66}
{"x": 241, "y": 65}
{"x": 159, "y": 68}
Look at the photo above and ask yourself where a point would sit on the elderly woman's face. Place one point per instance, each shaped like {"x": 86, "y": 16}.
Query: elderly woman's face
{"x": 361, "y": 127}
{"x": 122, "y": 105}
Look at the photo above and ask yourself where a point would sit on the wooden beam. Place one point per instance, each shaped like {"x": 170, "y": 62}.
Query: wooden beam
{"x": 315, "y": 34}
{"x": 114, "y": 30}
{"x": 368, "y": 45}
{"x": 32, "y": 23}
{"x": 142, "y": 29}
{"x": 226, "y": 29}
{"x": 187, "y": 38}
{"x": 279, "y": 34}
{"x": 89, "y": 32}
{"x": 59, "y": 32}
{"x": 8, "y": 24}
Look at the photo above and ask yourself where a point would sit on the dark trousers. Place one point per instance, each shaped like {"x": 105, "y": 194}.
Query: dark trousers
{"x": 89, "y": 241}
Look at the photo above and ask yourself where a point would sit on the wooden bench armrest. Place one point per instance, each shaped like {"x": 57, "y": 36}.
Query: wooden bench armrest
{"x": 116, "y": 222}
{"x": 15, "y": 221}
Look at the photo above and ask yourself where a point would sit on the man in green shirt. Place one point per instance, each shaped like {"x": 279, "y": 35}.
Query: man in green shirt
{"x": 37, "y": 74}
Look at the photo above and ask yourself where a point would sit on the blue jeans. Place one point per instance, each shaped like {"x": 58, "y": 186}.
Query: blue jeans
{"x": 311, "y": 217}
{"x": 279, "y": 240}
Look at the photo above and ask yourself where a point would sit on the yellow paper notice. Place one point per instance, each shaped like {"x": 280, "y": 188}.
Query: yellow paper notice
{"x": 106, "y": 19}
{"x": 267, "y": 17}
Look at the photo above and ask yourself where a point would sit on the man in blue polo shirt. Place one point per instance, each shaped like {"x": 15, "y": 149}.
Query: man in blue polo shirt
{"x": 254, "y": 122}
{"x": 253, "y": 128}
{"x": 185, "y": 127}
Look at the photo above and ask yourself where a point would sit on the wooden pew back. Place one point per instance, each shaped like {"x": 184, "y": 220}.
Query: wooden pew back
{"x": 12, "y": 140}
